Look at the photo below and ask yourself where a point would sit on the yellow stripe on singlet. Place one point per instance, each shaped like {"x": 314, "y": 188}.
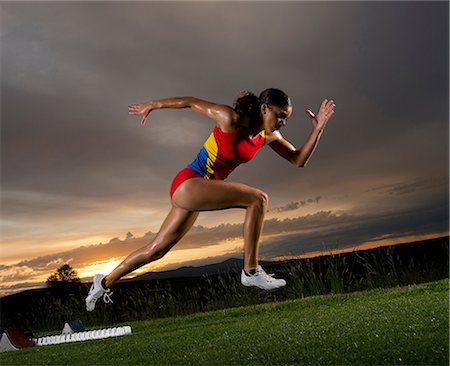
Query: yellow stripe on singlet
{"x": 212, "y": 150}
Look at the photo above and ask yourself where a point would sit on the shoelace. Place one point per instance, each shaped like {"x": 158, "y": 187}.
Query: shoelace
{"x": 269, "y": 276}
{"x": 107, "y": 297}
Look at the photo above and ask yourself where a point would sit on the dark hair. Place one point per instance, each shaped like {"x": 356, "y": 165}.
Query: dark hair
{"x": 248, "y": 104}
{"x": 274, "y": 97}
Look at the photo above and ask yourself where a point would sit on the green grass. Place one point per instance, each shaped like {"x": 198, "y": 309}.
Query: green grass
{"x": 396, "y": 326}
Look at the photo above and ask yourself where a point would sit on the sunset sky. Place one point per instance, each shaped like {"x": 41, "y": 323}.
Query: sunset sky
{"x": 82, "y": 182}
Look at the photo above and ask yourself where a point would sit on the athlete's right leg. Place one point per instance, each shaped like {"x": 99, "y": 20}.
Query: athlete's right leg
{"x": 197, "y": 194}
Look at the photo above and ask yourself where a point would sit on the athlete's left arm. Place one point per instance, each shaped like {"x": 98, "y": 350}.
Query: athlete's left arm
{"x": 300, "y": 157}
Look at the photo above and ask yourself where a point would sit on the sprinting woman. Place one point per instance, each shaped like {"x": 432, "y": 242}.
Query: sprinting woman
{"x": 239, "y": 132}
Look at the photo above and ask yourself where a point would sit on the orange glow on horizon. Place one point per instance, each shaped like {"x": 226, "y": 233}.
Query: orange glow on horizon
{"x": 365, "y": 246}
{"x": 99, "y": 267}
{"x": 175, "y": 257}
{"x": 233, "y": 246}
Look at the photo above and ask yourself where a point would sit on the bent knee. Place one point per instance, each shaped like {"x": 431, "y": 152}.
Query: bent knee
{"x": 153, "y": 255}
{"x": 260, "y": 199}
{"x": 155, "y": 252}
{"x": 160, "y": 254}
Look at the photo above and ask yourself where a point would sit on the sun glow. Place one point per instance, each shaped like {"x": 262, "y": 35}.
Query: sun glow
{"x": 229, "y": 246}
{"x": 104, "y": 267}
{"x": 176, "y": 257}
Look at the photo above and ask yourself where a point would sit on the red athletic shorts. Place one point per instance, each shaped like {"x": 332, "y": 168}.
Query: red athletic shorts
{"x": 185, "y": 174}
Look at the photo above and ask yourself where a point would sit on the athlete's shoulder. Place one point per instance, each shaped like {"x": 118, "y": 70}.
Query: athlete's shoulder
{"x": 273, "y": 136}
{"x": 230, "y": 120}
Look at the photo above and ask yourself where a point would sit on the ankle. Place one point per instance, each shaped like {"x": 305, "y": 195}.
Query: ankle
{"x": 103, "y": 283}
{"x": 250, "y": 271}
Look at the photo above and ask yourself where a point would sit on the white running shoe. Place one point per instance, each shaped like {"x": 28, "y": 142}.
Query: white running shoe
{"x": 96, "y": 292}
{"x": 262, "y": 280}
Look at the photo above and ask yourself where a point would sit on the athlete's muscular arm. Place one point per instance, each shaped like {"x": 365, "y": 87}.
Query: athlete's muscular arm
{"x": 224, "y": 115}
{"x": 300, "y": 157}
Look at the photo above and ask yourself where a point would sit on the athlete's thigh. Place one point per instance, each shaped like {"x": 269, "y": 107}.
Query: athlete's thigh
{"x": 198, "y": 194}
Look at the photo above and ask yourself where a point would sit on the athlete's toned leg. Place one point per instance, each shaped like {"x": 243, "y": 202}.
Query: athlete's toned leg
{"x": 175, "y": 226}
{"x": 197, "y": 194}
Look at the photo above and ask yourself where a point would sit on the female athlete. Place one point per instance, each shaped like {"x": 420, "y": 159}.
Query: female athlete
{"x": 239, "y": 132}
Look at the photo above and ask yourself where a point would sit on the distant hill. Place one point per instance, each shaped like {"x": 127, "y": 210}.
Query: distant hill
{"x": 417, "y": 249}
{"x": 229, "y": 265}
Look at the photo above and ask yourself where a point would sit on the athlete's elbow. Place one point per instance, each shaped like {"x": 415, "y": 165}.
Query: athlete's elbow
{"x": 295, "y": 160}
{"x": 190, "y": 102}
{"x": 299, "y": 164}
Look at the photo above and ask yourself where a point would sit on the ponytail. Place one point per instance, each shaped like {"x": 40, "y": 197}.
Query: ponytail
{"x": 247, "y": 104}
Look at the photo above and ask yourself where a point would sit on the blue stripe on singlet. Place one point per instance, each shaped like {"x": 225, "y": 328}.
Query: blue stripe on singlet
{"x": 199, "y": 164}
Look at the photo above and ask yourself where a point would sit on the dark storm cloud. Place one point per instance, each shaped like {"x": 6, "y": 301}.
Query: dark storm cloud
{"x": 76, "y": 81}
{"x": 74, "y": 132}
{"x": 20, "y": 287}
{"x": 295, "y": 205}
{"x": 355, "y": 230}
{"x": 402, "y": 188}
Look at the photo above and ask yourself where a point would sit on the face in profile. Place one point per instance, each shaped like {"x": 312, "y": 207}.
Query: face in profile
{"x": 275, "y": 117}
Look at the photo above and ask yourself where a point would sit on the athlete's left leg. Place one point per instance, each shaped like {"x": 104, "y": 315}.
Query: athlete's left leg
{"x": 175, "y": 226}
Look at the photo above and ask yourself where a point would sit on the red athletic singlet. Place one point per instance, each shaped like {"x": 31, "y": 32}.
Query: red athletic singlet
{"x": 220, "y": 155}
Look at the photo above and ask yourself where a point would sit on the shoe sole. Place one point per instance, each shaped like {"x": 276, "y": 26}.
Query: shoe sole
{"x": 265, "y": 289}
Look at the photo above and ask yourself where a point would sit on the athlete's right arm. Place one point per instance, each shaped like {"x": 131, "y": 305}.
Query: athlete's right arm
{"x": 224, "y": 115}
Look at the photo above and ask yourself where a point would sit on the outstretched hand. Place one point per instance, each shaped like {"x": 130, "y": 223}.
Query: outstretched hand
{"x": 144, "y": 109}
{"x": 326, "y": 110}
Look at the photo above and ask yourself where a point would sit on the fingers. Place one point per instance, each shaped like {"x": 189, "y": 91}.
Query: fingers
{"x": 134, "y": 109}
{"x": 327, "y": 104}
{"x": 310, "y": 113}
{"x": 141, "y": 108}
{"x": 327, "y": 108}
{"x": 331, "y": 105}
{"x": 144, "y": 118}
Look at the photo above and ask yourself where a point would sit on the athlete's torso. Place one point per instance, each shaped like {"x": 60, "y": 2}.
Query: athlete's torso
{"x": 224, "y": 151}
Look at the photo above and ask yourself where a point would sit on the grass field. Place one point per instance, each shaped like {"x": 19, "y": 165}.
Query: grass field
{"x": 397, "y": 326}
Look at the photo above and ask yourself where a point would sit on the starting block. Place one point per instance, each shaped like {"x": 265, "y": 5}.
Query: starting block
{"x": 14, "y": 339}
{"x": 74, "y": 326}
{"x": 82, "y": 336}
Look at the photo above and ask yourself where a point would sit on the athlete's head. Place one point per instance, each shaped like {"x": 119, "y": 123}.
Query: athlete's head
{"x": 271, "y": 109}
{"x": 275, "y": 109}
